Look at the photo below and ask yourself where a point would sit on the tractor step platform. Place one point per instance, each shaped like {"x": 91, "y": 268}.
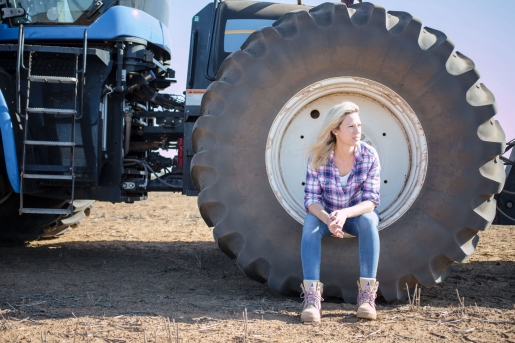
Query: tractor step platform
{"x": 47, "y": 168}
{"x": 46, "y": 211}
{"x": 52, "y": 79}
{"x": 49, "y": 143}
{"x": 47, "y": 177}
{"x": 50, "y": 111}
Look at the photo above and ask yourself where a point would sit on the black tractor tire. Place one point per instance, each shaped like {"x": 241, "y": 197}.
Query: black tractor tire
{"x": 464, "y": 171}
{"x": 17, "y": 229}
{"x": 82, "y": 209}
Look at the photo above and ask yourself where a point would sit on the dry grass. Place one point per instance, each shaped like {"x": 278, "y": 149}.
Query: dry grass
{"x": 150, "y": 272}
{"x": 468, "y": 323}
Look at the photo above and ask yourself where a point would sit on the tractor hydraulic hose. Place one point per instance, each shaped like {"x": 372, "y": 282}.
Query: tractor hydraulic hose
{"x": 149, "y": 171}
{"x": 146, "y": 93}
{"x": 505, "y": 215}
{"x": 128, "y": 125}
{"x": 120, "y": 78}
{"x": 508, "y": 192}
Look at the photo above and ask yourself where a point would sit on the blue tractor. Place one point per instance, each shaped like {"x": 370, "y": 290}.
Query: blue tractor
{"x": 83, "y": 118}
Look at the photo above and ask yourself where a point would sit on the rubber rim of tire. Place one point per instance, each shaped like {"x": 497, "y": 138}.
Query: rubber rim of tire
{"x": 331, "y": 40}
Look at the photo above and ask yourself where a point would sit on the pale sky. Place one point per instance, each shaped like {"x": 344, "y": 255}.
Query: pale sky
{"x": 482, "y": 30}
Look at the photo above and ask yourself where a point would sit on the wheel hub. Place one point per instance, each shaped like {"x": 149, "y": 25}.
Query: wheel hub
{"x": 388, "y": 124}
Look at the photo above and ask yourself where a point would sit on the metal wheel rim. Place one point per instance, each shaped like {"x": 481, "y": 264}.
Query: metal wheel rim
{"x": 284, "y": 157}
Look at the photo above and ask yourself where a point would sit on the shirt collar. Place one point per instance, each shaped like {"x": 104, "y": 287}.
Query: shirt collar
{"x": 358, "y": 155}
{"x": 331, "y": 159}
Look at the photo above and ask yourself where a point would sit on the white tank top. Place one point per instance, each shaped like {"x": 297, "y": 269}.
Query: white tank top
{"x": 343, "y": 179}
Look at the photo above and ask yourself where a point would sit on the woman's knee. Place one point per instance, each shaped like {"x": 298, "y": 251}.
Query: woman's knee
{"x": 368, "y": 221}
{"x": 311, "y": 225}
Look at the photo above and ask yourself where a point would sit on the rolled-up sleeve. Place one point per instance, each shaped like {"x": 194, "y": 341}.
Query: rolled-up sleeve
{"x": 312, "y": 190}
{"x": 372, "y": 183}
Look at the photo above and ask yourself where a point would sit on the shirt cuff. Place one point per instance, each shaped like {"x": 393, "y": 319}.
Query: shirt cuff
{"x": 309, "y": 202}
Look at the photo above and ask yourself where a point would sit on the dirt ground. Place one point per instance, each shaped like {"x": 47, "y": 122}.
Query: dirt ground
{"x": 151, "y": 272}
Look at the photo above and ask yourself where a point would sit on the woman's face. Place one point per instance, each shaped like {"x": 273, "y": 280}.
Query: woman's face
{"x": 349, "y": 131}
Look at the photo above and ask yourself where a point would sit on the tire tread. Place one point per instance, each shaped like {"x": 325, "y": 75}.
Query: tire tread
{"x": 489, "y": 141}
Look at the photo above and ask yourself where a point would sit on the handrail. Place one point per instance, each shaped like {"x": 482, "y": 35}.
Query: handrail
{"x": 193, "y": 59}
{"x": 19, "y": 66}
{"x": 83, "y": 74}
{"x": 209, "y": 42}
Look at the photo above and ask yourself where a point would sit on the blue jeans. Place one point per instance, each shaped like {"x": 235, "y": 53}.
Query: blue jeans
{"x": 364, "y": 227}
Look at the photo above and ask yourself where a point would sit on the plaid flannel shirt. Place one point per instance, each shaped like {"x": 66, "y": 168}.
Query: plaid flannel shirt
{"x": 323, "y": 184}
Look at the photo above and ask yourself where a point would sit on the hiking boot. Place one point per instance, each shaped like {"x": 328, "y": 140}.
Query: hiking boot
{"x": 312, "y": 305}
{"x": 366, "y": 298}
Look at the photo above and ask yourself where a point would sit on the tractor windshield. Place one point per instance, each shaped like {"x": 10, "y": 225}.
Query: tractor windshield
{"x": 50, "y": 11}
{"x": 80, "y": 12}
{"x": 159, "y": 9}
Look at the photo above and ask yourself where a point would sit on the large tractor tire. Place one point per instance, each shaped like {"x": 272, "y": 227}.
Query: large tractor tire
{"x": 421, "y": 108}
{"x": 17, "y": 229}
{"x": 81, "y": 209}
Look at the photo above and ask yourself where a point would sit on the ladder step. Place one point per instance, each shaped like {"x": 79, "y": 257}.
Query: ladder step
{"x": 47, "y": 177}
{"x": 46, "y": 210}
{"x": 57, "y": 168}
{"x": 47, "y": 168}
{"x": 52, "y": 79}
{"x": 49, "y": 143}
{"x": 50, "y": 111}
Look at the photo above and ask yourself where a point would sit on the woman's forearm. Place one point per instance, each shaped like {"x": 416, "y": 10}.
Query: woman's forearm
{"x": 318, "y": 211}
{"x": 357, "y": 210}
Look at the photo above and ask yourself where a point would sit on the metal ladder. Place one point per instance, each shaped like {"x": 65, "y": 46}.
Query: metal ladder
{"x": 48, "y": 172}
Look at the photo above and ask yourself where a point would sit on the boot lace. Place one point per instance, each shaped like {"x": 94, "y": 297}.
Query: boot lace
{"x": 367, "y": 296}
{"x": 311, "y": 298}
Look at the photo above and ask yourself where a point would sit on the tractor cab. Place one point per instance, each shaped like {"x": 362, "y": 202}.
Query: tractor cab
{"x": 75, "y": 12}
{"x": 223, "y": 28}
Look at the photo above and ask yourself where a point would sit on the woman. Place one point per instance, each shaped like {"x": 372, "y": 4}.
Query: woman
{"x": 341, "y": 194}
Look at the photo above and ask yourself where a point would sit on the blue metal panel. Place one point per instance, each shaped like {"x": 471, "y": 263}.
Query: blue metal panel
{"x": 118, "y": 21}
{"x": 11, "y": 161}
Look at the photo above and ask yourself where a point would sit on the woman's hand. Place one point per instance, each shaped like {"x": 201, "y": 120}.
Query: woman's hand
{"x": 333, "y": 227}
{"x": 337, "y": 222}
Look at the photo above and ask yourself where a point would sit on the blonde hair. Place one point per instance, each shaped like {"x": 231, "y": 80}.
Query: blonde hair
{"x": 326, "y": 141}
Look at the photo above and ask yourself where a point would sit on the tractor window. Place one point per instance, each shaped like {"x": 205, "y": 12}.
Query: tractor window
{"x": 50, "y": 11}
{"x": 159, "y": 9}
{"x": 238, "y": 30}
{"x": 234, "y": 22}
